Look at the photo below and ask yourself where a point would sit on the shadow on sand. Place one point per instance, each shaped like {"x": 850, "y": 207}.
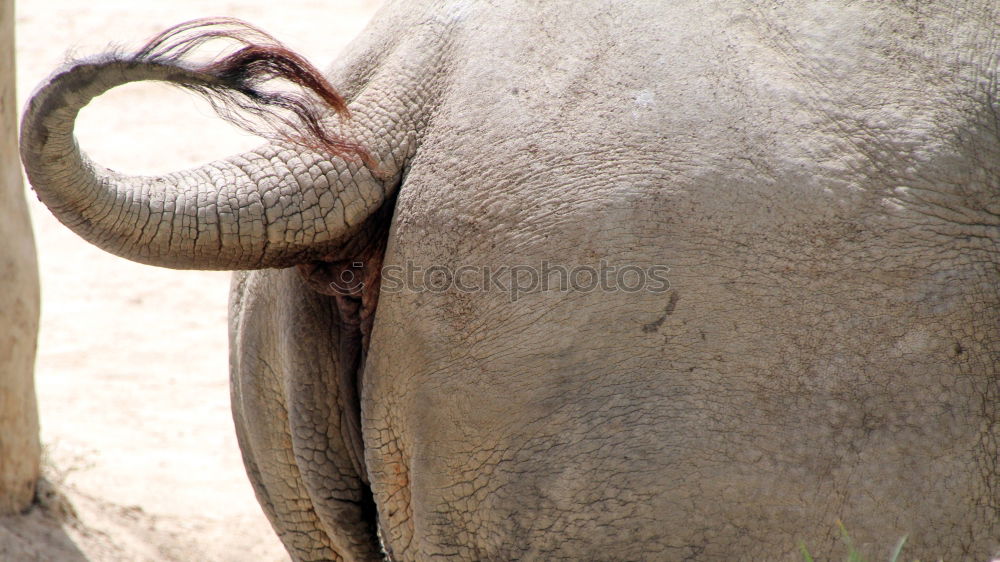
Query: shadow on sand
{"x": 39, "y": 533}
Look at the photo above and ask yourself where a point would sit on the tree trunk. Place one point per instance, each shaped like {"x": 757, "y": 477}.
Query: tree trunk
{"x": 19, "y": 446}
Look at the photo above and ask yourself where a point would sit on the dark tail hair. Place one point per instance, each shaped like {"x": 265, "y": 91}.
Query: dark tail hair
{"x": 234, "y": 84}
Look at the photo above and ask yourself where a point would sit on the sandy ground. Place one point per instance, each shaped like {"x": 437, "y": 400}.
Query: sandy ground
{"x": 131, "y": 372}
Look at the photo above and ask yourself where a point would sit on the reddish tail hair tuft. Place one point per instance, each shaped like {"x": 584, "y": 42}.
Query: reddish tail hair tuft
{"x": 234, "y": 84}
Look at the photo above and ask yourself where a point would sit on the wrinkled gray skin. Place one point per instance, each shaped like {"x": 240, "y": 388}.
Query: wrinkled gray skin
{"x": 823, "y": 181}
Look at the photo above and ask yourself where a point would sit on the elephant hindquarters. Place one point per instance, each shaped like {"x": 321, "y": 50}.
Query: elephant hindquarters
{"x": 292, "y": 366}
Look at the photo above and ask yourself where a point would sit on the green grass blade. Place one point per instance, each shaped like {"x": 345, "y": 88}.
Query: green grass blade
{"x": 805, "y": 552}
{"x": 852, "y": 554}
{"x": 898, "y": 550}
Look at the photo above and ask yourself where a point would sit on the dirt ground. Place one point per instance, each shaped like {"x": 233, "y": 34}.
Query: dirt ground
{"x": 131, "y": 372}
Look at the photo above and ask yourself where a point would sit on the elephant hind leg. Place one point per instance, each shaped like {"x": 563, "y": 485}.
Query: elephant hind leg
{"x": 351, "y": 278}
{"x": 294, "y": 362}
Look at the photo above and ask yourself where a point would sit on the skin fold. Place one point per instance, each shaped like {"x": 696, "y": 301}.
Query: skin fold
{"x": 822, "y": 182}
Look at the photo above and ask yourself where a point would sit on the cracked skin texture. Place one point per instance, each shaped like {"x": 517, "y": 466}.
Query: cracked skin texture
{"x": 823, "y": 182}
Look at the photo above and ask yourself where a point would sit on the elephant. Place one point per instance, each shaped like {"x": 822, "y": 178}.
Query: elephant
{"x": 588, "y": 280}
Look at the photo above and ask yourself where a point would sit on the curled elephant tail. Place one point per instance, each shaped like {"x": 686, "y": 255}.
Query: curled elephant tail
{"x": 287, "y": 202}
